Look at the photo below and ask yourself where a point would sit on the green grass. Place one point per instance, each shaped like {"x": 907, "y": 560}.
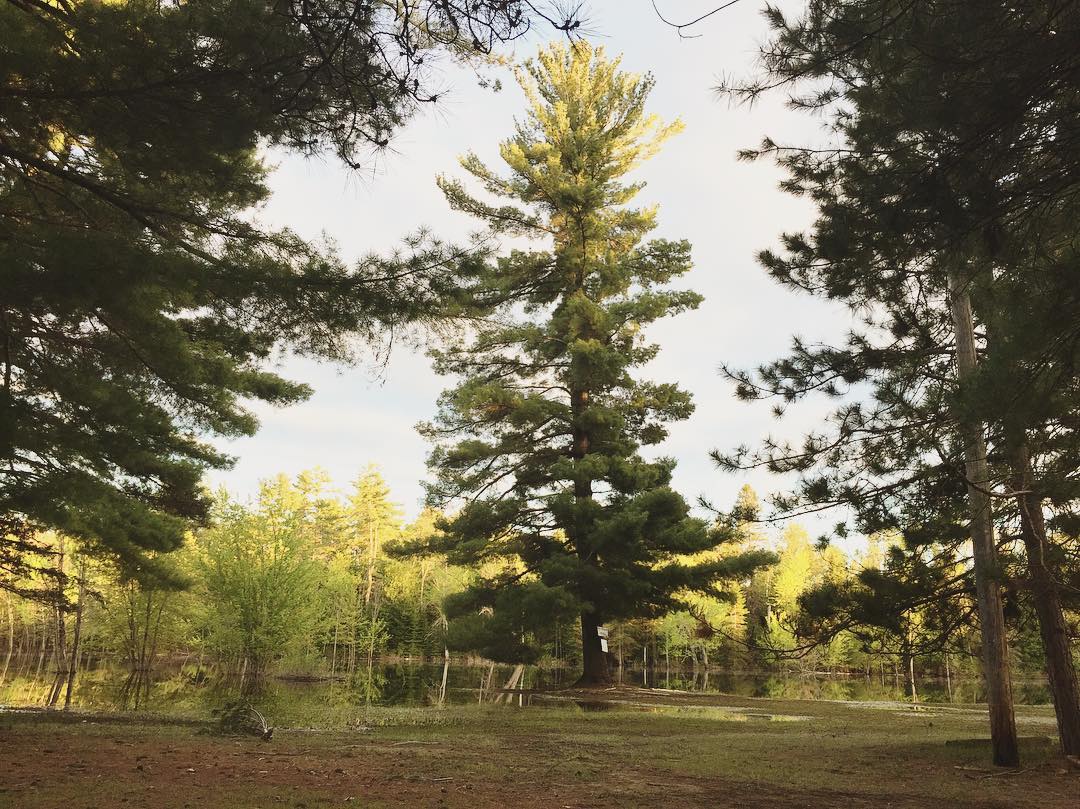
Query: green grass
{"x": 664, "y": 750}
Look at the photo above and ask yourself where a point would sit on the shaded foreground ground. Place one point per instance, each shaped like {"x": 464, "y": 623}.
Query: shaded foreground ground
{"x": 623, "y": 748}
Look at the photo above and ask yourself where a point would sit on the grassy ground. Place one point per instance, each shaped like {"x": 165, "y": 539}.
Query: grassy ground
{"x": 623, "y": 749}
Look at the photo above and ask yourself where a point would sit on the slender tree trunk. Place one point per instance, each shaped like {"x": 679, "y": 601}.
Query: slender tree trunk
{"x": 948, "y": 677}
{"x": 1047, "y": 602}
{"x": 620, "y": 653}
{"x": 60, "y": 649}
{"x": 909, "y": 662}
{"x": 151, "y": 656}
{"x": 911, "y": 679}
{"x": 354, "y": 630}
{"x": 142, "y": 684}
{"x": 59, "y": 657}
{"x": 11, "y": 639}
{"x": 423, "y": 583}
{"x": 32, "y": 685}
{"x": 445, "y": 671}
{"x": 371, "y": 635}
{"x": 333, "y": 653}
{"x": 371, "y": 565}
{"x": 73, "y": 666}
{"x": 24, "y": 651}
{"x": 995, "y": 649}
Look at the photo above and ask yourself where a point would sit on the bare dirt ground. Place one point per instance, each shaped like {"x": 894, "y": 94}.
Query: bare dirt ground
{"x": 651, "y": 751}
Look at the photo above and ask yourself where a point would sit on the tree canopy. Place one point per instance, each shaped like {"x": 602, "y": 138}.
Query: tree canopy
{"x": 141, "y": 296}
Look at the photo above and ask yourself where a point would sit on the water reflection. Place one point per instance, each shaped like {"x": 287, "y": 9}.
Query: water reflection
{"x": 191, "y": 689}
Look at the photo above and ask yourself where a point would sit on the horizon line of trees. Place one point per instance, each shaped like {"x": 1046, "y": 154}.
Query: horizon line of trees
{"x": 305, "y": 581}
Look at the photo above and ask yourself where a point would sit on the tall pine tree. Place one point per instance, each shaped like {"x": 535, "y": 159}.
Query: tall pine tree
{"x": 940, "y": 223}
{"x": 539, "y": 443}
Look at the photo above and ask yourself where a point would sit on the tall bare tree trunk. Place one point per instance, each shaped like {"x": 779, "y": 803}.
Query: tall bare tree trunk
{"x": 59, "y": 658}
{"x": 911, "y": 679}
{"x": 11, "y": 639}
{"x": 948, "y": 676}
{"x": 1060, "y": 671}
{"x": 372, "y": 551}
{"x": 60, "y": 649}
{"x": 620, "y": 654}
{"x": 371, "y": 635}
{"x": 333, "y": 654}
{"x": 353, "y": 639}
{"x": 995, "y": 650}
{"x": 73, "y": 665}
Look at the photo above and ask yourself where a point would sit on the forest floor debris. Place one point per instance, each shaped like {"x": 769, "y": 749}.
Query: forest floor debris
{"x": 678, "y": 753}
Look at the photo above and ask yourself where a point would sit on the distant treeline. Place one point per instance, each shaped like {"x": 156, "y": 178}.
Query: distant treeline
{"x": 308, "y": 582}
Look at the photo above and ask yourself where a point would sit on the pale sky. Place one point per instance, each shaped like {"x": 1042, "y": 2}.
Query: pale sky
{"x": 728, "y": 211}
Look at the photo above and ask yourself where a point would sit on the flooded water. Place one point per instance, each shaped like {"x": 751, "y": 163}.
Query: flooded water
{"x": 190, "y": 690}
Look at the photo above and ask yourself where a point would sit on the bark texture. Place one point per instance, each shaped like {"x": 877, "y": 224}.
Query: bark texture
{"x": 995, "y": 650}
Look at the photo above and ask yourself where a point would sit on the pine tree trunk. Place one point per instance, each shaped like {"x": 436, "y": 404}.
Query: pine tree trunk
{"x": 984, "y": 552}
{"x": 593, "y": 659}
{"x": 1044, "y": 592}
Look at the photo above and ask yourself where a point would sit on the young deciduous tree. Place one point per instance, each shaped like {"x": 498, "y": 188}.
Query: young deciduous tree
{"x": 260, "y": 580}
{"x": 540, "y": 442}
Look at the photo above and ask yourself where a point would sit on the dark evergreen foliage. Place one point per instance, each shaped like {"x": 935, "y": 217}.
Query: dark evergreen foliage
{"x": 540, "y": 442}
{"x": 955, "y": 175}
{"x": 139, "y": 300}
